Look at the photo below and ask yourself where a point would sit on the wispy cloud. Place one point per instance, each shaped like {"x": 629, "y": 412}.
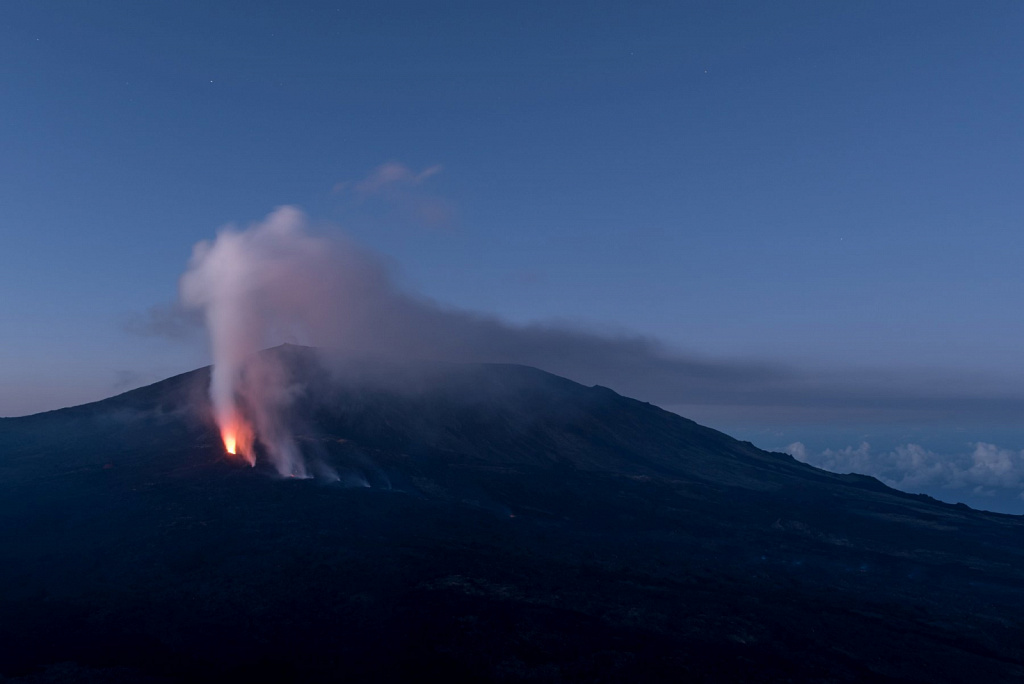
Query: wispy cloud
{"x": 126, "y": 379}
{"x": 386, "y": 177}
{"x": 172, "y": 321}
{"x": 402, "y": 188}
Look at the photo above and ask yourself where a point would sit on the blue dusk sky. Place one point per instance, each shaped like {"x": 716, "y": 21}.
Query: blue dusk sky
{"x": 827, "y": 195}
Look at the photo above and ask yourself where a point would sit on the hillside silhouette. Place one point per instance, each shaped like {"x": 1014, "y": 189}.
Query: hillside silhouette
{"x": 483, "y": 521}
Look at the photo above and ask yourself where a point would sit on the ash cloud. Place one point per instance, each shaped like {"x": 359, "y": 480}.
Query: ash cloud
{"x": 277, "y": 282}
{"x": 252, "y": 286}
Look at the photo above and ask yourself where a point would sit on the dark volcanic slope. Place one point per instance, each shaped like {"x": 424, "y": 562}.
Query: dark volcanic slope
{"x": 516, "y": 526}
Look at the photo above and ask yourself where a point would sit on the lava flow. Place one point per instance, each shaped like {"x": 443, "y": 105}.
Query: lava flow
{"x": 238, "y": 438}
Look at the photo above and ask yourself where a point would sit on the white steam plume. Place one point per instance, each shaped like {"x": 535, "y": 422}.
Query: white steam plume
{"x": 275, "y": 282}
{"x": 253, "y": 286}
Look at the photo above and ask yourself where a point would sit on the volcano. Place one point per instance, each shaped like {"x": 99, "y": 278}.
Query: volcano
{"x": 481, "y": 522}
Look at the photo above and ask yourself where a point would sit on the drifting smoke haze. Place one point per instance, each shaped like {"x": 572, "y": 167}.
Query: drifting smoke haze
{"x": 277, "y": 282}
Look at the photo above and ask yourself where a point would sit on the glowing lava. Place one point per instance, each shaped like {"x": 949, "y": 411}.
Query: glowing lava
{"x": 237, "y": 435}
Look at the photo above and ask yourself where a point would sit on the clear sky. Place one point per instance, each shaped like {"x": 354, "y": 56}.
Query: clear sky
{"x": 831, "y": 186}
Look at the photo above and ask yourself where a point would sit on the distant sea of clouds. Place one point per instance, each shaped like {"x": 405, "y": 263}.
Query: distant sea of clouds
{"x": 983, "y": 475}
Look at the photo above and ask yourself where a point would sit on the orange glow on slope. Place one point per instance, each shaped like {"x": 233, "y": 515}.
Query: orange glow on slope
{"x": 238, "y": 438}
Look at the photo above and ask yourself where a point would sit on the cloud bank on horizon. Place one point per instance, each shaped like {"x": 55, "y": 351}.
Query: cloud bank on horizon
{"x": 983, "y": 470}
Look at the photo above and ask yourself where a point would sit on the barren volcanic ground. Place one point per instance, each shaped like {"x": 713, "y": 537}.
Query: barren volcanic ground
{"x": 490, "y": 521}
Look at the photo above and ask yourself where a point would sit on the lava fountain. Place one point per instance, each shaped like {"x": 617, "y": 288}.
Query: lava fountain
{"x": 238, "y": 437}
{"x": 252, "y": 286}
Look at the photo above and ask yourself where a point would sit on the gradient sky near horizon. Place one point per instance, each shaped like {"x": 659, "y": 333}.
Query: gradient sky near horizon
{"x": 827, "y": 186}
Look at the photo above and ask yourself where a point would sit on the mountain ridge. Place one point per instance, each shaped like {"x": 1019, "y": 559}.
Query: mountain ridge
{"x": 187, "y": 391}
{"x": 485, "y": 521}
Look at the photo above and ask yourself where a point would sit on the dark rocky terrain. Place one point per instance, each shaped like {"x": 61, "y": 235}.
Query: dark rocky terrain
{"x": 516, "y": 526}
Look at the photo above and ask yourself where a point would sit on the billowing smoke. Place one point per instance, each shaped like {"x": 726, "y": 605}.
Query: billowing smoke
{"x": 252, "y": 287}
{"x": 276, "y": 282}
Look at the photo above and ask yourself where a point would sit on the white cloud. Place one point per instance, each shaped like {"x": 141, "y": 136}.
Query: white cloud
{"x": 401, "y": 188}
{"x": 388, "y": 176}
{"x": 984, "y": 468}
{"x": 797, "y": 450}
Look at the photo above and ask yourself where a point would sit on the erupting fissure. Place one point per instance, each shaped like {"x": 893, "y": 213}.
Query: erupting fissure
{"x": 253, "y": 286}
{"x": 242, "y": 282}
{"x": 238, "y": 437}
